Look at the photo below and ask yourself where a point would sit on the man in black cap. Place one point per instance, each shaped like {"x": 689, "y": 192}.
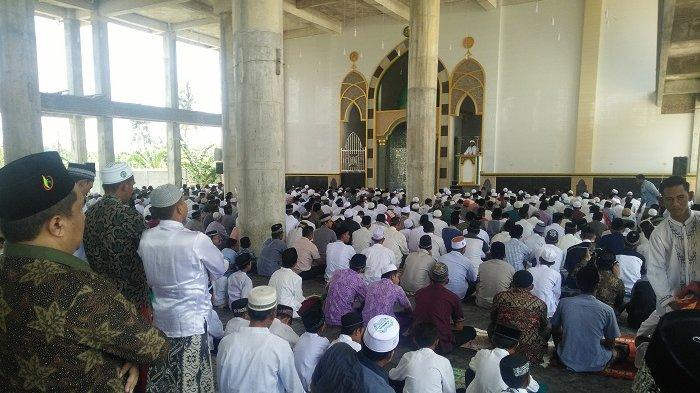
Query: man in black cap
{"x": 63, "y": 327}
{"x": 195, "y": 222}
{"x": 323, "y": 236}
{"x": 351, "y": 330}
{"x": 84, "y": 176}
{"x": 271, "y": 252}
{"x": 346, "y": 290}
{"x": 515, "y": 374}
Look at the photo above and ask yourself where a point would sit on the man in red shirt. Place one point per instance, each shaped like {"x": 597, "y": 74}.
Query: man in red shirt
{"x": 438, "y": 305}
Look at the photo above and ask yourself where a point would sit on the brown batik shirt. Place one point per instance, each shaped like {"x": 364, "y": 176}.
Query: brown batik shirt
{"x": 64, "y": 328}
{"x": 112, "y": 234}
{"x": 521, "y": 309}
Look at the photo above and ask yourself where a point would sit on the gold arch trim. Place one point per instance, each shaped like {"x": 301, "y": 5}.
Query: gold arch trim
{"x": 470, "y": 69}
{"x": 347, "y": 86}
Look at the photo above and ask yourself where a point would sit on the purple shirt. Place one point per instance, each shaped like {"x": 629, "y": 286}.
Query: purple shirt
{"x": 345, "y": 286}
{"x": 381, "y": 298}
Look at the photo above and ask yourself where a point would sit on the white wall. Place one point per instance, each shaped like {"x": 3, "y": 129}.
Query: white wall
{"x": 632, "y": 135}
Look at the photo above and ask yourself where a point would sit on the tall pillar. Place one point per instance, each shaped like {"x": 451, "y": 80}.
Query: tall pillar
{"x": 103, "y": 86}
{"x": 422, "y": 95}
{"x": 588, "y": 85}
{"x": 696, "y": 131}
{"x": 20, "y": 101}
{"x": 228, "y": 142}
{"x": 74, "y": 68}
{"x": 256, "y": 110}
{"x": 172, "y": 101}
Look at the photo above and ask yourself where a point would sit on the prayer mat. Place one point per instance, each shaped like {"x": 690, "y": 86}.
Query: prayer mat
{"x": 187, "y": 369}
{"x": 620, "y": 370}
{"x": 480, "y": 342}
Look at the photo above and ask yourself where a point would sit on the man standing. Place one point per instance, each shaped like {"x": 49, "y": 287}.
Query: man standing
{"x": 179, "y": 264}
{"x": 254, "y": 360}
{"x": 62, "y": 327}
{"x": 650, "y": 195}
{"x": 84, "y": 176}
{"x": 112, "y": 234}
{"x": 271, "y": 252}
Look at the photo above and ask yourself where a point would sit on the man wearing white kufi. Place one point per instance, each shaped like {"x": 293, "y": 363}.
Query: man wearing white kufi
{"x": 378, "y": 257}
{"x": 438, "y": 223}
{"x": 254, "y": 360}
{"x": 380, "y": 339}
{"x": 179, "y": 263}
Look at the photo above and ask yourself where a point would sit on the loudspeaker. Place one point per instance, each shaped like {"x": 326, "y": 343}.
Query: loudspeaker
{"x": 219, "y": 168}
{"x": 680, "y": 166}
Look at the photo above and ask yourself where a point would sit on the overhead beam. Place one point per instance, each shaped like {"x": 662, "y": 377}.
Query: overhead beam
{"x": 488, "y": 4}
{"x": 57, "y": 104}
{"x": 193, "y": 37}
{"x": 687, "y": 75}
{"x": 667, "y": 9}
{"x": 303, "y": 32}
{"x": 684, "y": 48}
{"x": 313, "y": 17}
{"x": 75, "y": 4}
{"x": 210, "y": 20}
{"x": 194, "y": 5}
{"x": 119, "y": 7}
{"x": 392, "y": 8}
{"x": 682, "y": 86}
{"x": 50, "y": 10}
{"x": 314, "y": 3}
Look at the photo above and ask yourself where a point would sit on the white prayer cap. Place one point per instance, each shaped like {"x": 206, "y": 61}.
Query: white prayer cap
{"x": 577, "y": 204}
{"x": 306, "y": 187}
{"x": 468, "y": 194}
{"x": 370, "y": 205}
{"x": 414, "y": 206}
{"x": 394, "y": 201}
{"x": 378, "y": 234}
{"x": 165, "y": 195}
{"x": 586, "y": 195}
{"x": 494, "y": 194}
{"x": 614, "y": 191}
{"x": 346, "y": 204}
{"x": 520, "y": 192}
{"x": 262, "y": 298}
{"x": 518, "y": 204}
{"x": 408, "y": 224}
{"x": 548, "y": 254}
{"x": 222, "y": 203}
{"x": 459, "y": 242}
{"x": 405, "y": 210}
{"x": 473, "y": 191}
{"x": 115, "y": 173}
{"x": 505, "y": 190}
{"x": 596, "y": 200}
{"x": 388, "y": 268}
{"x": 571, "y": 192}
{"x": 415, "y": 199}
{"x": 349, "y": 213}
{"x": 652, "y": 213}
{"x": 437, "y": 214}
{"x": 448, "y": 192}
{"x": 215, "y": 216}
{"x": 309, "y": 223}
{"x": 382, "y": 334}
{"x": 630, "y": 193}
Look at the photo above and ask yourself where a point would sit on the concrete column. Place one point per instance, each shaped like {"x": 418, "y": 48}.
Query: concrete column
{"x": 588, "y": 85}
{"x": 20, "y": 102}
{"x": 103, "y": 86}
{"x": 74, "y": 68}
{"x": 422, "y": 95}
{"x": 228, "y": 142}
{"x": 696, "y": 131}
{"x": 256, "y": 110}
{"x": 172, "y": 101}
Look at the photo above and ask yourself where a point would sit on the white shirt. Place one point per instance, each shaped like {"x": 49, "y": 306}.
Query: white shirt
{"x": 338, "y": 256}
{"x": 486, "y": 366}
{"x": 396, "y": 242}
{"x": 474, "y": 251}
{"x": 215, "y": 329}
{"x": 502, "y": 237}
{"x": 292, "y": 236}
{"x": 284, "y": 331}
{"x": 424, "y": 371}
{"x": 239, "y": 286}
{"x": 567, "y": 241}
{"x": 178, "y": 263}
{"x": 378, "y": 257}
{"x": 528, "y": 228}
{"x": 361, "y": 239}
{"x": 414, "y": 237}
{"x": 439, "y": 225}
{"x": 219, "y": 286}
{"x": 344, "y": 338}
{"x": 547, "y": 286}
{"x": 290, "y": 223}
{"x": 438, "y": 248}
{"x": 253, "y": 360}
{"x": 534, "y": 243}
{"x": 459, "y": 271}
{"x": 307, "y": 352}
{"x": 234, "y": 324}
{"x": 288, "y": 286}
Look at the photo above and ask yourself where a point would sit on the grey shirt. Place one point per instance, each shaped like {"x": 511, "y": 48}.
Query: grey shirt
{"x": 270, "y": 256}
{"x": 322, "y": 237}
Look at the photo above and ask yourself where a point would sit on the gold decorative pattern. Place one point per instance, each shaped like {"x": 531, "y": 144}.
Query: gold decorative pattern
{"x": 353, "y": 90}
{"x": 97, "y": 338}
{"x": 468, "y": 80}
{"x": 4, "y": 311}
{"x": 34, "y": 374}
{"x": 38, "y": 271}
{"x": 152, "y": 343}
{"x": 50, "y": 321}
{"x": 91, "y": 358}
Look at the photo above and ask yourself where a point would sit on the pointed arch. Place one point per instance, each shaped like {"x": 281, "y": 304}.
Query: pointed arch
{"x": 468, "y": 80}
{"x": 353, "y": 91}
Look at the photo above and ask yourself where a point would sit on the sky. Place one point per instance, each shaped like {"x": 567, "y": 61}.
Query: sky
{"x": 137, "y": 75}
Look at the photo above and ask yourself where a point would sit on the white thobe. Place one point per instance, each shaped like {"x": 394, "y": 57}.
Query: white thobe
{"x": 344, "y": 338}
{"x": 502, "y": 237}
{"x": 399, "y": 242}
{"x": 546, "y": 286}
{"x": 288, "y": 286}
{"x": 290, "y": 223}
{"x": 361, "y": 239}
{"x": 438, "y": 247}
{"x": 378, "y": 258}
{"x": 567, "y": 241}
{"x": 438, "y": 224}
{"x": 560, "y": 256}
{"x": 486, "y": 366}
{"x": 234, "y": 324}
{"x": 414, "y": 238}
{"x": 292, "y": 236}
{"x": 424, "y": 371}
{"x": 284, "y": 331}
{"x": 338, "y": 255}
{"x": 253, "y": 360}
{"x": 178, "y": 264}
{"x": 307, "y": 352}
{"x": 239, "y": 286}
{"x": 220, "y": 286}
{"x": 528, "y": 228}
{"x": 630, "y": 271}
{"x": 534, "y": 243}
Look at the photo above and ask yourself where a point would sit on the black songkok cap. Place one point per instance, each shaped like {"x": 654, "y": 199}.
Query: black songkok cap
{"x": 358, "y": 261}
{"x": 239, "y": 306}
{"x": 82, "y": 171}
{"x": 242, "y": 260}
{"x": 33, "y": 184}
{"x": 522, "y": 279}
{"x": 351, "y": 320}
{"x": 515, "y": 369}
{"x": 277, "y": 228}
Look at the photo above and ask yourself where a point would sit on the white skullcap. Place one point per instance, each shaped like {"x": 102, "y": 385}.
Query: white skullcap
{"x": 408, "y": 224}
{"x": 415, "y": 199}
{"x": 614, "y": 191}
{"x": 518, "y": 204}
{"x": 165, "y": 195}
{"x": 468, "y": 194}
{"x": 596, "y": 200}
{"x": 652, "y": 213}
{"x": 216, "y": 215}
{"x": 382, "y": 334}
{"x": 115, "y": 173}
{"x": 448, "y": 192}
{"x": 306, "y": 187}
{"x": 505, "y": 190}
{"x": 349, "y": 213}
{"x": 405, "y": 210}
{"x": 459, "y": 242}
{"x": 394, "y": 201}
{"x": 370, "y": 205}
{"x": 378, "y": 234}
{"x": 388, "y": 268}
{"x": 630, "y": 193}
{"x": 414, "y": 206}
{"x": 437, "y": 214}
{"x": 577, "y": 204}
{"x": 346, "y": 204}
{"x": 520, "y": 192}
{"x": 222, "y": 203}
{"x": 262, "y": 298}
{"x": 585, "y": 195}
{"x": 548, "y": 254}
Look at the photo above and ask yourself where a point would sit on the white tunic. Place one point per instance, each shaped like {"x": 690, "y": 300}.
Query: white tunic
{"x": 344, "y": 338}
{"x": 253, "y": 360}
{"x": 284, "y": 331}
{"x": 338, "y": 256}
{"x": 239, "y": 286}
{"x": 438, "y": 246}
{"x": 178, "y": 264}
{"x": 378, "y": 257}
{"x": 486, "y": 366}
{"x": 307, "y": 352}
{"x": 234, "y": 324}
{"x": 547, "y": 286}
{"x": 288, "y": 286}
{"x": 424, "y": 371}
{"x": 361, "y": 239}
{"x": 630, "y": 271}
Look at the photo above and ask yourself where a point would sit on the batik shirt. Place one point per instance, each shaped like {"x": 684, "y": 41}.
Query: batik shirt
{"x": 346, "y": 286}
{"x": 610, "y": 290}
{"x": 64, "y": 328}
{"x": 382, "y": 296}
{"x": 525, "y": 311}
{"x": 112, "y": 234}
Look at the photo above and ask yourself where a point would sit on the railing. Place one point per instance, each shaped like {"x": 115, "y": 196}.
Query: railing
{"x": 352, "y": 154}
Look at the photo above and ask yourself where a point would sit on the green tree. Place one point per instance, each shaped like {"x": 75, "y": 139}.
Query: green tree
{"x": 148, "y": 152}
{"x": 198, "y": 163}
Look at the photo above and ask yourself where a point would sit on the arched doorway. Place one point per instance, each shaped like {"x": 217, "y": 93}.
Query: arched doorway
{"x": 467, "y": 126}
{"x": 352, "y": 152}
{"x": 395, "y": 157}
